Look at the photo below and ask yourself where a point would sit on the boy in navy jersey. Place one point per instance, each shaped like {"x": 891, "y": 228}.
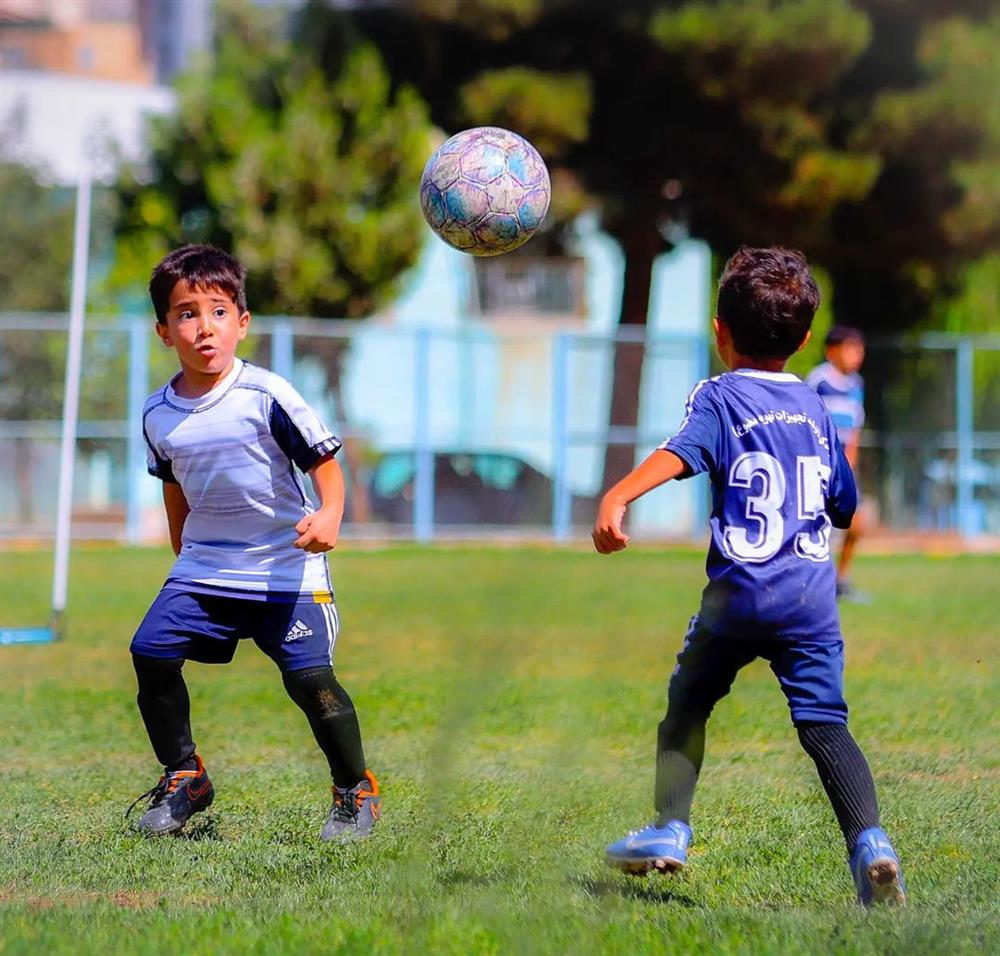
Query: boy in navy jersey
{"x": 843, "y": 392}
{"x": 780, "y": 480}
{"x": 225, "y": 438}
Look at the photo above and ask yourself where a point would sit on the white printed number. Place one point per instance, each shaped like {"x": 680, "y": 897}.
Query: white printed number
{"x": 761, "y": 539}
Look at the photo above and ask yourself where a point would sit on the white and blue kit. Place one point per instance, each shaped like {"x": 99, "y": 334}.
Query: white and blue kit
{"x": 234, "y": 452}
{"x": 780, "y": 482}
{"x": 843, "y": 394}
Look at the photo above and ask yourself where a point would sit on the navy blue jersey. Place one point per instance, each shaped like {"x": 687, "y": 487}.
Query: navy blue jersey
{"x": 780, "y": 480}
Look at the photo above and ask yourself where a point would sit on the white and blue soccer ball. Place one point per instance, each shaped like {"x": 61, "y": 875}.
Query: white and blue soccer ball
{"x": 485, "y": 191}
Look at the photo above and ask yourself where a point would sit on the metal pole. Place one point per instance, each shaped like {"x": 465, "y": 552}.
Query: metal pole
{"x": 561, "y": 497}
{"x": 964, "y": 396}
{"x": 423, "y": 482}
{"x": 283, "y": 349}
{"x": 138, "y": 389}
{"x": 71, "y": 398}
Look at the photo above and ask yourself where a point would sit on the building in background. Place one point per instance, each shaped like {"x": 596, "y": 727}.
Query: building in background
{"x": 99, "y": 39}
{"x": 174, "y": 32}
{"x": 133, "y": 41}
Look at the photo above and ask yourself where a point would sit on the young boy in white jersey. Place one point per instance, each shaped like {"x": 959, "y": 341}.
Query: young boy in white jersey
{"x": 225, "y": 438}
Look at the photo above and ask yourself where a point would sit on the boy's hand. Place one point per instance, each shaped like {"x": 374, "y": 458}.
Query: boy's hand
{"x": 318, "y": 532}
{"x": 607, "y": 534}
{"x": 662, "y": 465}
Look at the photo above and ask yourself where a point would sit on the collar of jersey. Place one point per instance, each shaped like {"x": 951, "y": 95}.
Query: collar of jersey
{"x": 770, "y": 376}
{"x": 210, "y": 397}
{"x": 839, "y": 379}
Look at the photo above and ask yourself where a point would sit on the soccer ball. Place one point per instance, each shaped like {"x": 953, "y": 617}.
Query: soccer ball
{"x": 485, "y": 191}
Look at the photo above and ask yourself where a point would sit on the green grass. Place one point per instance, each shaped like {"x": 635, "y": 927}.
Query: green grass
{"x": 509, "y": 700}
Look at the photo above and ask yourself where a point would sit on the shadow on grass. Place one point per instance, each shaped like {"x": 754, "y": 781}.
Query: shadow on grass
{"x": 464, "y": 878}
{"x": 635, "y": 888}
{"x": 204, "y": 829}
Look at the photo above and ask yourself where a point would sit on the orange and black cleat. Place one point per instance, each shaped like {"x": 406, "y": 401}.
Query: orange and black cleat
{"x": 354, "y": 812}
{"x": 176, "y": 797}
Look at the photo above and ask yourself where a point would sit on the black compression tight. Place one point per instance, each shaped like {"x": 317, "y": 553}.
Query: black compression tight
{"x": 333, "y": 719}
{"x": 166, "y": 710}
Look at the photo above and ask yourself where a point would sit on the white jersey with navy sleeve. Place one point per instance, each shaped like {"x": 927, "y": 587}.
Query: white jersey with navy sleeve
{"x": 844, "y": 396}
{"x": 779, "y": 481}
{"x": 234, "y": 453}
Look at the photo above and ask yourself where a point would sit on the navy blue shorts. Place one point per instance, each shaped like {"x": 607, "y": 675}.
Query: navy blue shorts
{"x": 207, "y": 628}
{"x": 810, "y": 672}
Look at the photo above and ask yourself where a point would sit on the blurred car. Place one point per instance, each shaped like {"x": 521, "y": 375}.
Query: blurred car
{"x": 494, "y": 488}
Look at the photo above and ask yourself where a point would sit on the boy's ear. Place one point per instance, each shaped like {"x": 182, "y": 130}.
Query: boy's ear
{"x": 243, "y": 324}
{"x": 721, "y": 330}
{"x": 163, "y": 331}
{"x": 804, "y": 341}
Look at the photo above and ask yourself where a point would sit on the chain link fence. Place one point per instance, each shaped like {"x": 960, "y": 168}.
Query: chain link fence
{"x": 479, "y": 430}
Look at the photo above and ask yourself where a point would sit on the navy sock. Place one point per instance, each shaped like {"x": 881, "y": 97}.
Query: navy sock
{"x": 679, "y": 753}
{"x": 845, "y": 776}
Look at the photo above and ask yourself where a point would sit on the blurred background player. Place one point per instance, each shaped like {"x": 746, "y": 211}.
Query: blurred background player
{"x": 779, "y": 480}
{"x": 224, "y": 437}
{"x": 843, "y": 392}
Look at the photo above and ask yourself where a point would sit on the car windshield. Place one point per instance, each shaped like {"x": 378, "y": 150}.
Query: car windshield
{"x": 396, "y": 470}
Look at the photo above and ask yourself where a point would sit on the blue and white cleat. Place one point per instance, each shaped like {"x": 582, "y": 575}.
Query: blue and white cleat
{"x": 663, "y": 849}
{"x": 876, "y": 870}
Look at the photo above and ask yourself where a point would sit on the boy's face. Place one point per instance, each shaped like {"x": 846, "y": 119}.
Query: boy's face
{"x": 846, "y": 356}
{"x": 205, "y": 326}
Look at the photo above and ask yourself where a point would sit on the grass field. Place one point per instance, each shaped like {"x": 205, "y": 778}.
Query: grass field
{"x": 509, "y": 700}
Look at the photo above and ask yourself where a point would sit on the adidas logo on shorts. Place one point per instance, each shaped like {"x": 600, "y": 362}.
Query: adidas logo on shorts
{"x": 297, "y": 630}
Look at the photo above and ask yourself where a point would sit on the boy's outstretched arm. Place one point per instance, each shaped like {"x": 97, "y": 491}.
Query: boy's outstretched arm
{"x": 177, "y": 508}
{"x": 318, "y": 532}
{"x": 659, "y": 467}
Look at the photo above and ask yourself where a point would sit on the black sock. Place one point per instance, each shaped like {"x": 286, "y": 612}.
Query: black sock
{"x": 166, "y": 710}
{"x": 333, "y": 720}
{"x": 845, "y": 775}
{"x": 679, "y": 752}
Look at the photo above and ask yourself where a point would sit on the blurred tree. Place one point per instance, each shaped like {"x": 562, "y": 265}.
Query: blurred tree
{"x": 925, "y": 96}
{"x": 36, "y": 251}
{"x": 36, "y": 245}
{"x": 844, "y": 128}
{"x": 36, "y": 242}
{"x": 306, "y": 169}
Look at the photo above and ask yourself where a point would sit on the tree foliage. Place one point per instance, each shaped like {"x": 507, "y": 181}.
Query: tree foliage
{"x": 849, "y": 128}
{"x": 307, "y": 171}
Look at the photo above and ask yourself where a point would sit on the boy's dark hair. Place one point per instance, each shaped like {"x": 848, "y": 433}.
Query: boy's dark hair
{"x": 843, "y": 333}
{"x": 203, "y": 266}
{"x": 767, "y": 298}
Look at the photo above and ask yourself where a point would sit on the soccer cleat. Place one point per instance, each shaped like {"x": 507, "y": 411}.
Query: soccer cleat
{"x": 663, "y": 849}
{"x": 354, "y": 812}
{"x": 876, "y": 870}
{"x": 176, "y": 797}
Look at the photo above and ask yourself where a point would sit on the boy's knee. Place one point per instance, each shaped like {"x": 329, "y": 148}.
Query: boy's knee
{"x": 316, "y": 691}
{"x": 155, "y": 674}
{"x": 680, "y": 725}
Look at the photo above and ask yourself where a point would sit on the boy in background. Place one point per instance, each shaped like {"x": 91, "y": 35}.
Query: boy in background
{"x": 780, "y": 480}
{"x": 842, "y": 389}
{"x": 224, "y": 437}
